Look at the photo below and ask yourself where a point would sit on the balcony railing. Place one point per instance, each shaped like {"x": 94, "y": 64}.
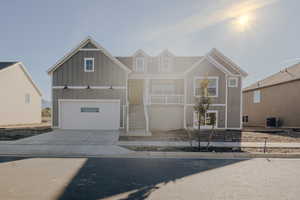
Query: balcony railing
{"x": 166, "y": 99}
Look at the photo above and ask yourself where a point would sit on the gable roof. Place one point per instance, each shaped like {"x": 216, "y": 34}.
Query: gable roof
{"x": 221, "y": 62}
{"x": 140, "y": 51}
{"x": 227, "y": 62}
{"x": 288, "y": 74}
{"x": 79, "y": 47}
{"x": 166, "y": 52}
{"x": 5, "y": 65}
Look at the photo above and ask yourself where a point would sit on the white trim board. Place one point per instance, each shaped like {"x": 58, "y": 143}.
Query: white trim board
{"x": 89, "y": 49}
{"x": 209, "y": 78}
{"x": 208, "y": 127}
{"x": 91, "y": 87}
{"x": 92, "y": 100}
{"x": 156, "y": 76}
{"x": 85, "y": 64}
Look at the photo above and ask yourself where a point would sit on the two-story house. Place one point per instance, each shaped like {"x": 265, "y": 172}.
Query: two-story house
{"x": 91, "y": 89}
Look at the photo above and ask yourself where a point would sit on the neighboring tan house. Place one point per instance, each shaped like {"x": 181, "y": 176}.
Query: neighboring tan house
{"x": 91, "y": 89}
{"x": 20, "y": 97}
{"x": 276, "y": 96}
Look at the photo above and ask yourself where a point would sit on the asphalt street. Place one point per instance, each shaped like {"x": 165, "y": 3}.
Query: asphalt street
{"x": 152, "y": 178}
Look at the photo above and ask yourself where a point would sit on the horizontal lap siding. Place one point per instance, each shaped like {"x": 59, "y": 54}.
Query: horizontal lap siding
{"x": 178, "y": 83}
{"x": 277, "y": 101}
{"x": 206, "y": 69}
{"x": 165, "y": 117}
{"x": 234, "y": 106}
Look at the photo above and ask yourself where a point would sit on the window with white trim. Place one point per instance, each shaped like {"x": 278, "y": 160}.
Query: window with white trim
{"x": 165, "y": 63}
{"x": 140, "y": 64}
{"x": 233, "y": 82}
{"x": 27, "y": 98}
{"x": 212, "y": 88}
{"x": 256, "y": 96}
{"x": 89, "y": 65}
{"x": 206, "y": 121}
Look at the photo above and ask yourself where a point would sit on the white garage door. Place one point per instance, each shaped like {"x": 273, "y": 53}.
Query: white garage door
{"x": 89, "y": 114}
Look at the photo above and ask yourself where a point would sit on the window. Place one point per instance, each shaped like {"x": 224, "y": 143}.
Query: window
{"x": 233, "y": 82}
{"x": 206, "y": 122}
{"x": 27, "y": 98}
{"x": 89, "y": 110}
{"x": 256, "y": 96}
{"x": 212, "y": 88}
{"x": 166, "y": 88}
{"x": 165, "y": 63}
{"x": 89, "y": 65}
{"x": 245, "y": 118}
{"x": 140, "y": 64}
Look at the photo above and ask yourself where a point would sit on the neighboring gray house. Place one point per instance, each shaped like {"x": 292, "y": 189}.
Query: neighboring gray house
{"x": 91, "y": 89}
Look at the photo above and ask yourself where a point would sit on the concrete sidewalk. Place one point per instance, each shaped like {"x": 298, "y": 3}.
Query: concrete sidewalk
{"x": 61, "y": 150}
{"x": 213, "y": 144}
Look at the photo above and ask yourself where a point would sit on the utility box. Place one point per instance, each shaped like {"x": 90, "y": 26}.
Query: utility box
{"x": 272, "y": 122}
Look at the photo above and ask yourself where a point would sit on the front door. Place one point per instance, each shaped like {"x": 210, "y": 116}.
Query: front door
{"x": 135, "y": 91}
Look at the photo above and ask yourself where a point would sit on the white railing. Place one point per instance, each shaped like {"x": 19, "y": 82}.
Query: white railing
{"x": 167, "y": 99}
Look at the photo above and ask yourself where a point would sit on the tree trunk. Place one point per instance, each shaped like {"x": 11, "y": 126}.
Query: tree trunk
{"x": 199, "y": 126}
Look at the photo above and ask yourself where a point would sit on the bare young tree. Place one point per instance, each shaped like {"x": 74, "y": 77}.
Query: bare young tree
{"x": 201, "y": 107}
{"x": 212, "y": 122}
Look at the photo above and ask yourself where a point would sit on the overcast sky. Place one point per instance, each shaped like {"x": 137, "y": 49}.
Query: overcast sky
{"x": 38, "y": 32}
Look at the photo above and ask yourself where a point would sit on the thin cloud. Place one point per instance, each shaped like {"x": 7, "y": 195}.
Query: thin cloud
{"x": 201, "y": 21}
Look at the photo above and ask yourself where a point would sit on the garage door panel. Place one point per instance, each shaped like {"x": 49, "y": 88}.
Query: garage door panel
{"x": 90, "y": 115}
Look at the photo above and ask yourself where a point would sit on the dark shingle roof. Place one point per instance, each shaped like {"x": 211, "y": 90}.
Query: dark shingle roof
{"x": 286, "y": 75}
{"x": 6, "y": 64}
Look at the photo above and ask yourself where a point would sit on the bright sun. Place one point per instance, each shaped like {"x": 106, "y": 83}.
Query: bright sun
{"x": 243, "y": 20}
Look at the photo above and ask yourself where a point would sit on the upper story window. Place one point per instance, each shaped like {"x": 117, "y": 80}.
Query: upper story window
{"x": 27, "y": 98}
{"x": 163, "y": 88}
{"x": 89, "y": 64}
{"x": 165, "y": 63}
{"x": 140, "y": 64}
{"x": 212, "y": 88}
{"x": 233, "y": 82}
{"x": 256, "y": 96}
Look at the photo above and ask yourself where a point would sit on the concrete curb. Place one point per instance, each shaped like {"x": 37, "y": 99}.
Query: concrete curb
{"x": 212, "y": 144}
{"x": 171, "y": 155}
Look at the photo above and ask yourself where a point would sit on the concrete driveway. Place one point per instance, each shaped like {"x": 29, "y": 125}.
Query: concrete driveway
{"x": 66, "y": 143}
{"x": 74, "y": 137}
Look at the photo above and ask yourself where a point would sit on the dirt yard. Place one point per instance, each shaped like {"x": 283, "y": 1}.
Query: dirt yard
{"x": 228, "y": 136}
